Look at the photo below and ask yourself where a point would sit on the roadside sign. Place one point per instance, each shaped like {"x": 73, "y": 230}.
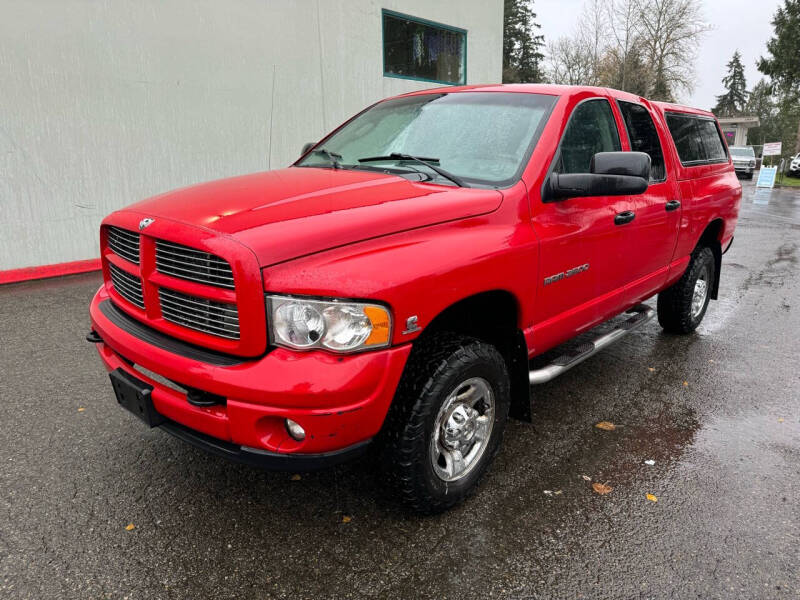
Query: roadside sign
{"x": 772, "y": 149}
{"x": 766, "y": 177}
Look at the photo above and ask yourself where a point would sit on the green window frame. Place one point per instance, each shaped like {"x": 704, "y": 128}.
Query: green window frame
{"x": 390, "y": 14}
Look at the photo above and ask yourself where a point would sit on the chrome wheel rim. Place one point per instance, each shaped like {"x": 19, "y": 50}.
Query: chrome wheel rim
{"x": 462, "y": 429}
{"x": 699, "y": 295}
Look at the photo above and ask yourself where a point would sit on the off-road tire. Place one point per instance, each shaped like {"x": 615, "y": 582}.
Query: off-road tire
{"x": 437, "y": 365}
{"x": 675, "y": 303}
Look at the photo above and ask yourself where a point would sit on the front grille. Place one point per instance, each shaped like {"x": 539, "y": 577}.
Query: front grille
{"x": 194, "y": 265}
{"x": 215, "y": 318}
{"x": 124, "y": 243}
{"x": 128, "y": 286}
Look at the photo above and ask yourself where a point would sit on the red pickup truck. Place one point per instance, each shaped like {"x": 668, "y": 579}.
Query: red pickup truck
{"x": 389, "y": 289}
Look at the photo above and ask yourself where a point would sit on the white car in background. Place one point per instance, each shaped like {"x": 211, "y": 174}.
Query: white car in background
{"x": 744, "y": 160}
{"x": 794, "y": 165}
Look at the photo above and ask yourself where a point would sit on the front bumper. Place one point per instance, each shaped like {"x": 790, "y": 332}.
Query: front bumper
{"x": 340, "y": 401}
{"x": 743, "y": 168}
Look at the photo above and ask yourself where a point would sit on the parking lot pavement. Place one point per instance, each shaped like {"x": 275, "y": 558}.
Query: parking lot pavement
{"x": 718, "y": 412}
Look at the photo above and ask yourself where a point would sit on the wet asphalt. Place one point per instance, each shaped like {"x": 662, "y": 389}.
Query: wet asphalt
{"x": 718, "y": 412}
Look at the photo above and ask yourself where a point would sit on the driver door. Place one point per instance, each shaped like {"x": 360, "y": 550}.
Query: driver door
{"x": 583, "y": 244}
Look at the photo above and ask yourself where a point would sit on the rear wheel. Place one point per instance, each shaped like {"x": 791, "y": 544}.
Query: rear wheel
{"x": 682, "y": 306}
{"x": 447, "y": 421}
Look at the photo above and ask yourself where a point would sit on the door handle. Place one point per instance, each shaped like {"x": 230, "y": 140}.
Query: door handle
{"x": 624, "y": 217}
{"x": 672, "y": 205}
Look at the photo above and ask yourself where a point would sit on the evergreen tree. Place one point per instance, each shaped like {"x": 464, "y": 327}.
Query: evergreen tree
{"x": 761, "y": 104}
{"x": 783, "y": 64}
{"x": 733, "y": 101}
{"x": 783, "y": 68}
{"x": 522, "y": 45}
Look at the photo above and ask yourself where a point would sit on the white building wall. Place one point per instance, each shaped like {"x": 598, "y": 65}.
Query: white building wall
{"x": 103, "y": 103}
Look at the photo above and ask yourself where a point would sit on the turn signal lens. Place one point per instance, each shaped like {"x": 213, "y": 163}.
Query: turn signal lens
{"x": 294, "y": 429}
{"x": 336, "y": 325}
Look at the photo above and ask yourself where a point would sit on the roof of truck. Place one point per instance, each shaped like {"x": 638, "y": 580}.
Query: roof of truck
{"x": 558, "y": 90}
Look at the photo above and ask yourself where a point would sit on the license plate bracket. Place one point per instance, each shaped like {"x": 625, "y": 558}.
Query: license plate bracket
{"x": 136, "y": 396}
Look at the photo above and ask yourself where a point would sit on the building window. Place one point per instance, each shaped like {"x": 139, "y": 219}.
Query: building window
{"x": 423, "y": 50}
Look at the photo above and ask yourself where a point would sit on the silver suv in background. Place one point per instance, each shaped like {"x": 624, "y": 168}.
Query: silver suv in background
{"x": 744, "y": 160}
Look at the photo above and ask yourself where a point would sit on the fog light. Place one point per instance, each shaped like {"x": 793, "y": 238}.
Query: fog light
{"x": 295, "y": 430}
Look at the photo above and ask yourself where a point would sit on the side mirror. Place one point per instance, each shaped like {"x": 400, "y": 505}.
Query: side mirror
{"x": 306, "y": 147}
{"x": 610, "y": 174}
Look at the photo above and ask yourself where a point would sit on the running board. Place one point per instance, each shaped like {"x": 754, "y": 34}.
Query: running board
{"x": 640, "y": 315}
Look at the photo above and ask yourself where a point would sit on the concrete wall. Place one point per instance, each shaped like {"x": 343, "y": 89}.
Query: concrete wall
{"x": 103, "y": 103}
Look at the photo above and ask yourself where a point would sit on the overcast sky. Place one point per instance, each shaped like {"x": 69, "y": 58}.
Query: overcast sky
{"x": 742, "y": 24}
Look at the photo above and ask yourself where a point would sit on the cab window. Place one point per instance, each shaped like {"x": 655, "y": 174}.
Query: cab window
{"x": 644, "y": 137}
{"x": 590, "y": 130}
{"x": 697, "y": 139}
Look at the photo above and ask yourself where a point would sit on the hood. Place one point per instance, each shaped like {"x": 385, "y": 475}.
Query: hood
{"x": 297, "y": 211}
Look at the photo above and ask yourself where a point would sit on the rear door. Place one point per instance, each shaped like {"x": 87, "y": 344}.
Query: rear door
{"x": 658, "y": 210}
{"x": 582, "y": 250}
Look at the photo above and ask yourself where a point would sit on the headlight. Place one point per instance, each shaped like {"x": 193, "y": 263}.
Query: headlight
{"x": 752, "y": 163}
{"x": 337, "y": 325}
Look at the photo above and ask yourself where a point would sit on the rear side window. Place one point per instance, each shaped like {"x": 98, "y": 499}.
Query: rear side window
{"x": 697, "y": 139}
{"x": 712, "y": 142}
{"x": 644, "y": 137}
{"x": 591, "y": 129}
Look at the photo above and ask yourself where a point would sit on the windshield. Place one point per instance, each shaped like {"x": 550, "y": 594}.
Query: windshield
{"x": 481, "y": 138}
{"x": 740, "y": 151}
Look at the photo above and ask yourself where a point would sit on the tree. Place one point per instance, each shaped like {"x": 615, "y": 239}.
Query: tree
{"x": 645, "y": 47}
{"x": 625, "y": 71}
{"x": 623, "y": 63}
{"x": 783, "y": 68}
{"x": 783, "y": 64}
{"x": 592, "y": 35}
{"x": 522, "y": 45}
{"x": 761, "y": 104}
{"x": 670, "y": 33}
{"x": 569, "y": 62}
{"x": 732, "y": 102}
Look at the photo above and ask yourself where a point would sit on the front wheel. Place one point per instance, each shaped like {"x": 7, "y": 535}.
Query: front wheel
{"x": 447, "y": 421}
{"x": 683, "y": 305}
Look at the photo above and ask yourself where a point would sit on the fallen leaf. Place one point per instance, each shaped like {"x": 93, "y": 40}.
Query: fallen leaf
{"x": 650, "y": 462}
{"x": 651, "y": 369}
{"x": 586, "y": 478}
{"x": 81, "y": 409}
{"x": 602, "y": 488}
{"x": 295, "y": 477}
{"x": 548, "y": 492}
{"x": 685, "y": 384}
{"x": 780, "y": 420}
{"x": 606, "y": 426}
{"x": 557, "y": 492}
{"x": 130, "y": 527}
{"x": 346, "y": 519}
{"x": 652, "y": 498}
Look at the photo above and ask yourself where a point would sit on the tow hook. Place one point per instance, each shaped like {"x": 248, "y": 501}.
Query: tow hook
{"x": 93, "y": 337}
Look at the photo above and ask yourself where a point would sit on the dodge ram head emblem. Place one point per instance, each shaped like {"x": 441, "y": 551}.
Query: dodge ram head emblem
{"x": 145, "y": 223}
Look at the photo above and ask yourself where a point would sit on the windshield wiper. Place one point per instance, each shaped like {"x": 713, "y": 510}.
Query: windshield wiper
{"x": 423, "y": 161}
{"x": 331, "y": 156}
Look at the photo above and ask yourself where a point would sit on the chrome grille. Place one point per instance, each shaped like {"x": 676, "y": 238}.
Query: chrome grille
{"x": 215, "y": 318}
{"x": 194, "y": 265}
{"x": 124, "y": 243}
{"x": 128, "y": 286}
